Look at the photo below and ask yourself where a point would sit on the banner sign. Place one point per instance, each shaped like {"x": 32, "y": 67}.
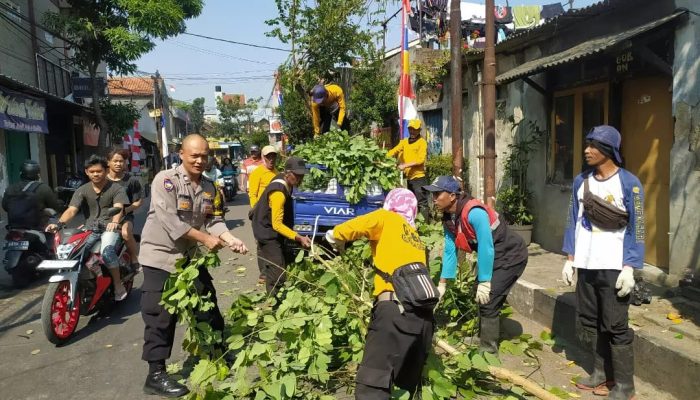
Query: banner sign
{"x": 20, "y": 112}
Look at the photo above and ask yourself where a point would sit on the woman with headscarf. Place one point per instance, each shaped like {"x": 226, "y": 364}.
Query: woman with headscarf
{"x": 399, "y": 336}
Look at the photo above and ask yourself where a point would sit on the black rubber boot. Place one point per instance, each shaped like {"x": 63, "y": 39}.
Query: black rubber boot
{"x": 161, "y": 384}
{"x": 488, "y": 335}
{"x": 623, "y": 370}
{"x": 599, "y": 347}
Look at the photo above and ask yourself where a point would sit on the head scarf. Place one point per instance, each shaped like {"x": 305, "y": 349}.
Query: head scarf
{"x": 403, "y": 202}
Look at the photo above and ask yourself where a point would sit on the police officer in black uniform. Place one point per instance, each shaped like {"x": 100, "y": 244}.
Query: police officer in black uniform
{"x": 181, "y": 216}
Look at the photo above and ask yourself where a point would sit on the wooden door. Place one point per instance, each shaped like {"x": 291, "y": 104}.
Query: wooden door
{"x": 17, "y": 145}
{"x": 647, "y": 136}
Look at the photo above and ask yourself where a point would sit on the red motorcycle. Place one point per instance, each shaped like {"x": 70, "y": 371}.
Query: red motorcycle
{"x": 82, "y": 284}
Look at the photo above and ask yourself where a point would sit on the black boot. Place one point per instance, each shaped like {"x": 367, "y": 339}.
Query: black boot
{"x": 161, "y": 384}
{"x": 488, "y": 335}
{"x": 591, "y": 340}
{"x": 623, "y": 370}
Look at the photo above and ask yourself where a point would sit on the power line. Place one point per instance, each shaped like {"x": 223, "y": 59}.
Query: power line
{"x": 235, "y": 42}
{"x": 214, "y": 53}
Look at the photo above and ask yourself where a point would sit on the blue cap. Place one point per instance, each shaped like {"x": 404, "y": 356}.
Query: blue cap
{"x": 444, "y": 183}
{"x": 606, "y": 134}
{"x": 318, "y": 93}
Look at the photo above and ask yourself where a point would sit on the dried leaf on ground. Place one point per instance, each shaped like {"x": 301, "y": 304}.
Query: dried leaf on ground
{"x": 35, "y": 352}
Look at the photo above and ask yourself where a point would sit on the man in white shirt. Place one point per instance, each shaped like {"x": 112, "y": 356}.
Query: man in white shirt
{"x": 604, "y": 241}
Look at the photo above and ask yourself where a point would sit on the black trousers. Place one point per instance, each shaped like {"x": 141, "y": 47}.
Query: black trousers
{"x": 502, "y": 281}
{"x": 598, "y": 306}
{"x": 396, "y": 348}
{"x": 272, "y": 261}
{"x": 416, "y": 186}
{"x": 329, "y": 114}
{"x": 159, "y": 325}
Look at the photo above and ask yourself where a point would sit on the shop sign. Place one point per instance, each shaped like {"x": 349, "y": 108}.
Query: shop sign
{"x": 20, "y": 112}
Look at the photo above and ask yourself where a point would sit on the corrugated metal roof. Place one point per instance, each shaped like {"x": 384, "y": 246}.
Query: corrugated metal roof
{"x": 35, "y": 91}
{"x": 579, "y": 51}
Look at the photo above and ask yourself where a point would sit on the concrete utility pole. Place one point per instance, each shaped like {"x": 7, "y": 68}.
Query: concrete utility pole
{"x": 489, "y": 85}
{"x": 456, "y": 87}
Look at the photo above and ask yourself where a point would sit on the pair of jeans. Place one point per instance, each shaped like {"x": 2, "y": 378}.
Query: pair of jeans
{"x": 109, "y": 242}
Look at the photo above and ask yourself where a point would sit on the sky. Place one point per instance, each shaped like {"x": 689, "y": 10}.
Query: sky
{"x": 193, "y": 66}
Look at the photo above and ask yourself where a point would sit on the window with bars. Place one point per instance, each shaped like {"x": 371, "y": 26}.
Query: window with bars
{"x": 53, "y": 78}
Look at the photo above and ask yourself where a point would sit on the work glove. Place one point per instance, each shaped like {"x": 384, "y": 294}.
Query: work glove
{"x": 339, "y": 245}
{"x": 625, "y": 281}
{"x": 442, "y": 287}
{"x": 567, "y": 273}
{"x": 483, "y": 292}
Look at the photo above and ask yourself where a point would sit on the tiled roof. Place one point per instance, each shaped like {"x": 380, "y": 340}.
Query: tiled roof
{"x": 130, "y": 86}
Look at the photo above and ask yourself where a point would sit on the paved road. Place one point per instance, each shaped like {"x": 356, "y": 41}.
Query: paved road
{"x": 103, "y": 361}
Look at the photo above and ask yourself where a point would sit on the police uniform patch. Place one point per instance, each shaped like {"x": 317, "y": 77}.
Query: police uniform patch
{"x": 635, "y": 189}
{"x": 184, "y": 203}
{"x": 168, "y": 185}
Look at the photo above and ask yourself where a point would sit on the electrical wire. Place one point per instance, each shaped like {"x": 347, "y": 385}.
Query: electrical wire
{"x": 214, "y": 53}
{"x": 235, "y": 42}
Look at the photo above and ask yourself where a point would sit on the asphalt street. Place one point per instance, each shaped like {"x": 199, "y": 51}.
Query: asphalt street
{"x": 103, "y": 360}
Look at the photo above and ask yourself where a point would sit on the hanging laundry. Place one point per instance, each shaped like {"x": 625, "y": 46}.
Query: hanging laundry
{"x": 501, "y": 35}
{"x": 526, "y": 17}
{"x": 550, "y": 11}
{"x": 474, "y": 12}
{"x": 414, "y": 22}
{"x": 504, "y": 15}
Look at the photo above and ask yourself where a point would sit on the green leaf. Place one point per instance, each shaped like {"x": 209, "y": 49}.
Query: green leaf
{"x": 267, "y": 335}
{"x": 492, "y": 359}
{"x": 479, "y": 362}
{"x": 678, "y": 336}
{"x": 300, "y": 256}
{"x": 203, "y": 373}
{"x": 289, "y": 383}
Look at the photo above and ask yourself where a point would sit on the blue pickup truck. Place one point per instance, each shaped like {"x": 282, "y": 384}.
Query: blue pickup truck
{"x": 315, "y": 213}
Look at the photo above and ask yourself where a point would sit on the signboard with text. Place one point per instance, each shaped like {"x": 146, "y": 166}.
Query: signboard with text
{"x": 21, "y": 112}
{"x": 82, "y": 87}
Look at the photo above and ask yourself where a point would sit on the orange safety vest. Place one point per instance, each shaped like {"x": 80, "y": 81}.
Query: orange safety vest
{"x": 465, "y": 237}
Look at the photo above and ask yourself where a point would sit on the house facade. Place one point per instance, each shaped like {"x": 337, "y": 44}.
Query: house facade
{"x": 630, "y": 64}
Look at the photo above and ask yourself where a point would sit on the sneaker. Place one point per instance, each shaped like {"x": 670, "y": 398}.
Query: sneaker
{"x": 119, "y": 296}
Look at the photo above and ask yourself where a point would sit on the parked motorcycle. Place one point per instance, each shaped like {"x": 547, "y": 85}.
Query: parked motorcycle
{"x": 25, "y": 249}
{"x": 65, "y": 192}
{"x": 81, "y": 285}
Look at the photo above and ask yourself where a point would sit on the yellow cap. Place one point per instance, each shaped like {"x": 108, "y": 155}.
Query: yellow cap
{"x": 414, "y": 124}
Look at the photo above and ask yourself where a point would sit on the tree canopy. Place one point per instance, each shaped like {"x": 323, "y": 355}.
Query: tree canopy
{"x": 118, "y": 32}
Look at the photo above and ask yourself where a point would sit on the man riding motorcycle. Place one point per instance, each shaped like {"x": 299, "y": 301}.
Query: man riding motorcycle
{"x": 25, "y": 200}
{"x": 95, "y": 199}
{"x": 26, "y": 244}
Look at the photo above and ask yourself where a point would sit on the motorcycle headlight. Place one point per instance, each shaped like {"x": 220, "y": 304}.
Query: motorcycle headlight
{"x": 63, "y": 251}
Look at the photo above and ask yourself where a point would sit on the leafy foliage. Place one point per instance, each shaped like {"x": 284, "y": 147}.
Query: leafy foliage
{"x": 355, "y": 161}
{"x": 195, "y": 110}
{"x": 119, "y": 117}
{"x": 236, "y": 119}
{"x": 308, "y": 341}
{"x": 513, "y": 200}
{"x": 373, "y": 97}
{"x": 432, "y": 72}
{"x": 117, "y": 32}
{"x": 441, "y": 164}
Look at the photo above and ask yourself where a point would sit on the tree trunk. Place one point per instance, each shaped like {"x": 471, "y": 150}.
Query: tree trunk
{"x": 102, "y": 143}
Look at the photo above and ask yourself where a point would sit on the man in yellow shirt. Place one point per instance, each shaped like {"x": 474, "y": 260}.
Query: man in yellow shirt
{"x": 262, "y": 176}
{"x": 397, "y": 340}
{"x": 412, "y": 153}
{"x": 272, "y": 218}
{"x": 328, "y": 103}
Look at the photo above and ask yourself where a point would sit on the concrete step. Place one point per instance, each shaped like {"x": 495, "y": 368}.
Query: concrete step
{"x": 667, "y": 354}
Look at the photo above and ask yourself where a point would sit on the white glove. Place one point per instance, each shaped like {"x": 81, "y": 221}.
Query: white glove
{"x": 337, "y": 244}
{"x": 483, "y": 292}
{"x": 625, "y": 281}
{"x": 442, "y": 287}
{"x": 567, "y": 273}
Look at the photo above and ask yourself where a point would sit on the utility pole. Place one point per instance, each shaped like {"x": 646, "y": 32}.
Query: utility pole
{"x": 489, "y": 85}
{"x": 456, "y": 87}
{"x": 157, "y": 102}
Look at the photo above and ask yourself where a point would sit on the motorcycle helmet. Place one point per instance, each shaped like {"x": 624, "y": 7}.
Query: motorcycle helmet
{"x": 255, "y": 149}
{"x": 30, "y": 170}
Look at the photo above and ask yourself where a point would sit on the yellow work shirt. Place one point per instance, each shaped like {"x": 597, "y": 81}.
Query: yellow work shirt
{"x": 408, "y": 153}
{"x": 257, "y": 182}
{"x": 394, "y": 242}
{"x": 335, "y": 95}
{"x": 277, "y": 200}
